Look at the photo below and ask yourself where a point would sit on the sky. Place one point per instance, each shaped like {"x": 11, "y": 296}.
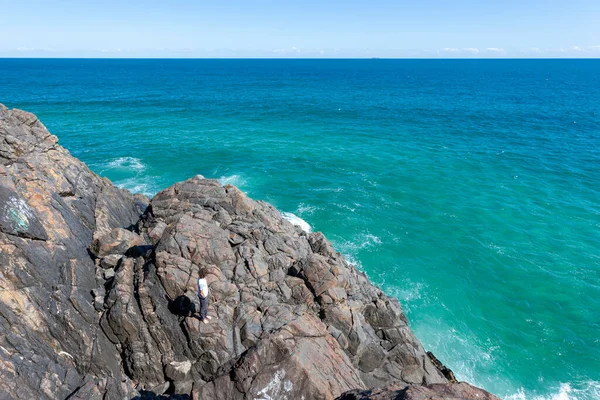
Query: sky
{"x": 293, "y": 28}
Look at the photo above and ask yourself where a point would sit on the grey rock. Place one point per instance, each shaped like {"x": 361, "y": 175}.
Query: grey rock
{"x": 161, "y": 389}
{"x": 17, "y": 218}
{"x": 438, "y": 391}
{"x": 51, "y": 204}
{"x": 110, "y": 261}
{"x": 115, "y": 242}
{"x": 178, "y": 370}
{"x": 156, "y": 232}
{"x": 108, "y": 273}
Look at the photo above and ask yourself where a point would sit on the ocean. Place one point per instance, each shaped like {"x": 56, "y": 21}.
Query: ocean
{"x": 468, "y": 189}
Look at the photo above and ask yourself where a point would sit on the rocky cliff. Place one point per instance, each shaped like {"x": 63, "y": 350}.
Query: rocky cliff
{"x": 98, "y": 294}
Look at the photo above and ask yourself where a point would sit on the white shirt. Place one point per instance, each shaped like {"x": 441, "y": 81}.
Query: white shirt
{"x": 203, "y": 285}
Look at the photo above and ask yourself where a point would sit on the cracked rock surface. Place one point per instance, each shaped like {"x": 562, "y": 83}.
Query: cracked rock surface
{"x": 98, "y": 294}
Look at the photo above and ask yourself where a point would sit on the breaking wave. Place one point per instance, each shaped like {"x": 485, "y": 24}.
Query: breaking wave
{"x": 295, "y": 220}
{"x": 234, "y": 180}
{"x": 588, "y": 390}
{"x": 127, "y": 163}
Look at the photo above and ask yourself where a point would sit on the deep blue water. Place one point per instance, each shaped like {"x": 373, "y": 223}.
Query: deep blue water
{"x": 469, "y": 189}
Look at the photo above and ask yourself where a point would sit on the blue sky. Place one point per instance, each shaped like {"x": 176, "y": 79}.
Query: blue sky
{"x": 325, "y": 28}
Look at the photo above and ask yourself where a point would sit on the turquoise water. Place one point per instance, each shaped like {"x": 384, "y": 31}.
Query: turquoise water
{"x": 469, "y": 189}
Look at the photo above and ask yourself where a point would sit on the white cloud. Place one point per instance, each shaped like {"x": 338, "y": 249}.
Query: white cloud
{"x": 495, "y": 49}
{"x": 576, "y": 49}
{"x": 289, "y": 51}
{"x": 456, "y": 50}
{"x": 536, "y": 50}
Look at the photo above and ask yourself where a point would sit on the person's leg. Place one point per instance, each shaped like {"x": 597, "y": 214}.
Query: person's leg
{"x": 203, "y": 307}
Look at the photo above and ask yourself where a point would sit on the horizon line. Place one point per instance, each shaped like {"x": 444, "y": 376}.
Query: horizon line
{"x": 301, "y": 58}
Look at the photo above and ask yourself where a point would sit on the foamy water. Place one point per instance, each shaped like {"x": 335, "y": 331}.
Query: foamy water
{"x": 295, "y": 220}
{"x": 235, "y": 180}
{"x": 130, "y": 173}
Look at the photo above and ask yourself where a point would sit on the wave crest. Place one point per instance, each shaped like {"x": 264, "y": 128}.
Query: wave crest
{"x": 295, "y": 220}
{"x": 234, "y": 180}
{"x": 587, "y": 390}
{"x": 130, "y": 163}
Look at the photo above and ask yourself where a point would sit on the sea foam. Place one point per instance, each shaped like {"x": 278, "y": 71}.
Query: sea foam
{"x": 144, "y": 185}
{"x": 234, "y": 180}
{"x": 295, "y": 220}
{"x": 587, "y": 390}
{"x": 130, "y": 173}
{"x": 130, "y": 163}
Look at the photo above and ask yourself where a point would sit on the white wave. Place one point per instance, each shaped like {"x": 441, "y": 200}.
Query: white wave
{"x": 305, "y": 209}
{"x": 130, "y": 163}
{"x": 295, "y": 220}
{"x": 350, "y": 259}
{"x": 138, "y": 185}
{"x": 563, "y": 392}
{"x": 362, "y": 241}
{"x": 371, "y": 240}
{"x": 588, "y": 390}
{"x": 234, "y": 180}
{"x": 407, "y": 291}
{"x": 346, "y": 207}
{"x": 335, "y": 190}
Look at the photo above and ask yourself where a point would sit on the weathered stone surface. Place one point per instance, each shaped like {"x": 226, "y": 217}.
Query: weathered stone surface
{"x": 50, "y": 206}
{"x": 265, "y": 282}
{"x": 110, "y": 261}
{"x": 438, "y": 391}
{"x": 115, "y": 242}
{"x": 97, "y": 302}
{"x": 17, "y": 218}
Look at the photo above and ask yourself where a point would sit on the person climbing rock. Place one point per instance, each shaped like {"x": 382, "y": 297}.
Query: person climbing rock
{"x": 203, "y": 296}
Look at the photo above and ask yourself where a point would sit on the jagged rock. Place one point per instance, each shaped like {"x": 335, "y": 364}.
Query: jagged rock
{"x": 115, "y": 242}
{"x": 438, "y": 391}
{"x": 178, "y": 370}
{"x": 300, "y": 359}
{"x": 447, "y": 372}
{"x": 291, "y": 318}
{"x": 261, "y": 286}
{"x": 17, "y": 218}
{"x": 110, "y": 261}
{"x": 50, "y": 206}
{"x": 156, "y": 232}
{"x": 108, "y": 273}
{"x": 161, "y": 389}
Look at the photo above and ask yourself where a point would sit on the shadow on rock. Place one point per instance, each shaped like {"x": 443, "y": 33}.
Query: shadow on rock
{"x": 146, "y": 395}
{"x": 182, "y": 306}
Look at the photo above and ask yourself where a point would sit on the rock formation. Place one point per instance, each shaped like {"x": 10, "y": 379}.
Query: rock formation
{"x": 446, "y": 391}
{"x": 98, "y": 294}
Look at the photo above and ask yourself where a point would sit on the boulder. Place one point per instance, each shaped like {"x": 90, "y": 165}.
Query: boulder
{"x": 115, "y": 242}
